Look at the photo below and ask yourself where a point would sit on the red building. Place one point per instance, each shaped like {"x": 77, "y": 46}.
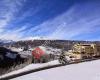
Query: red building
{"x": 38, "y": 52}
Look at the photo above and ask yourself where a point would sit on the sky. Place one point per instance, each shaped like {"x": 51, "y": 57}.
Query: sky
{"x": 50, "y": 19}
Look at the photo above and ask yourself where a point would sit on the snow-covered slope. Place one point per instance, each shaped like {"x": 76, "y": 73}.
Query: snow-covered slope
{"x": 30, "y": 67}
{"x": 81, "y": 71}
{"x": 6, "y": 41}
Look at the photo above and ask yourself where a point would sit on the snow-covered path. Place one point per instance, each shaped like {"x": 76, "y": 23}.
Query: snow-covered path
{"x": 80, "y": 71}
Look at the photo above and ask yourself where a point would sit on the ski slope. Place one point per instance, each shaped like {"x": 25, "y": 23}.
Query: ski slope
{"x": 81, "y": 71}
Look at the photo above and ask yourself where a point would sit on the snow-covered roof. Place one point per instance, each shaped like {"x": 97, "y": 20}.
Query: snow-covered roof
{"x": 16, "y": 49}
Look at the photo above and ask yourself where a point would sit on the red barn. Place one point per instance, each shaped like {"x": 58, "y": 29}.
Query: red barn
{"x": 38, "y": 52}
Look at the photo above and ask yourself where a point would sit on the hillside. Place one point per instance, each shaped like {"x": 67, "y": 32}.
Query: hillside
{"x": 65, "y": 44}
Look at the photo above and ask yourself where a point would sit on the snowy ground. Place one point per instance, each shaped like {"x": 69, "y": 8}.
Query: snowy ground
{"x": 80, "y": 71}
{"x": 30, "y": 67}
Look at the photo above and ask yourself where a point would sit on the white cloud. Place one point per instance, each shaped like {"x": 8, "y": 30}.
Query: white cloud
{"x": 75, "y": 28}
{"x": 67, "y": 25}
{"x": 9, "y": 9}
{"x": 70, "y": 24}
{"x": 15, "y": 34}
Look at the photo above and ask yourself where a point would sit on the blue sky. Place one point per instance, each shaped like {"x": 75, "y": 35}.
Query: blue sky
{"x": 52, "y": 19}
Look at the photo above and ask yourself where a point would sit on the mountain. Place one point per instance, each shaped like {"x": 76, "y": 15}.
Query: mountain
{"x": 39, "y": 38}
{"x": 6, "y": 41}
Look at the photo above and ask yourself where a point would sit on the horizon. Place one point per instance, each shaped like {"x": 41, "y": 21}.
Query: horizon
{"x": 4, "y": 40}
{"x": 50, "y": 19}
